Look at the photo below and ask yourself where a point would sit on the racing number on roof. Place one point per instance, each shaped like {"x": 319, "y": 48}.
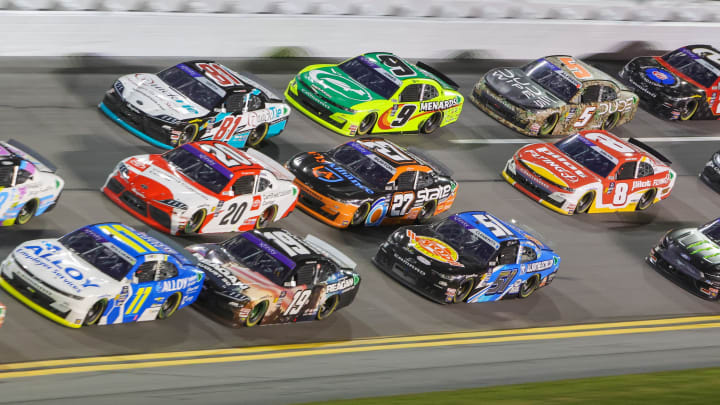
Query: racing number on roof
{"x": 401, "y": 203}
{"x": 495, "y": 226}
{"x": 404, "y": 115}
{"x": 397, "y": 66}
{"x": 219, "y": 75}
{"x": 287, "y": 243}
{"x": 707, "y": 53}
{"x": 609, "y": 142}
{"x": 225, "y": 154}
{"x": 390, "y": 151}
{"x": 577, "y": 70}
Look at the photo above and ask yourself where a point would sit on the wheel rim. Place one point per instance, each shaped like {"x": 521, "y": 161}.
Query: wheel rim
{"x": 267, "y": 216}
{"x": 256, "y": 314}
{"x": 646, "y": 200}
{"x": 94, "y": 313}
{"x": 328, "y": 307}
{"x": 26, "y": 212}
{"x": 584, "y": 203}
{"x": 610, "y": 122}
{"x": 463, "y": 291}
{"x": 426, "y": 211}
{"x": 366, "y": 124}
{"x": 257, "y": 136}
{"x": 188, "y": 134}
{"x": 690, "y": 109}
{"x": 195, "y": 222}
{"x": 549, "y": 124}
{"x": 431, "y": 124}
{"x": 360, "y": 214}
{"x": 168, "y": 304}
{"x": 529, "y": 287}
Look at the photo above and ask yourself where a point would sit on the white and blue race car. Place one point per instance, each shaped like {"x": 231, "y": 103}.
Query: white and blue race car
{"x": 28, "y": 184}
{"x": 195, "y": 100}
{"x": 102, "y": 274}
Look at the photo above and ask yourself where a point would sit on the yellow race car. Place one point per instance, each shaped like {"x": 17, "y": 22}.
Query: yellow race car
{"x": 376, "y": 93}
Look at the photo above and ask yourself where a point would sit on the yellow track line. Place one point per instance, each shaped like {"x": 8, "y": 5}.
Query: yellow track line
{"x": 342, "y": 350}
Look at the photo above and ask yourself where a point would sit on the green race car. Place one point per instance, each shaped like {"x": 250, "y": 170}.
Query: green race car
{"x": 375, "y": 93}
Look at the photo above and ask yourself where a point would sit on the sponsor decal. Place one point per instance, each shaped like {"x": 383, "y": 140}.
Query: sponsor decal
{"x": 257, "y": 200}
{"x": 562, "y": 166}
{"x": 641, "y": 184}
{"x": 408, "y": 264}
{"x": 534, "y": 128}
{"x": 526, "y": 87}
{"x": 176, "y": 284}
{"x": 223, "y": 274}
{"x": 660, "y": 76}
{"x": 341, "y": 285}
{"x": 538, "y": 266}
{"x": 438, "y": 105}
{"x": 335, "y": 82}
{"x": 332, "y": 173}
{"x": 326, "y": 174}
{"x": 41, "y": 257}
{"x": 434, "y": 249}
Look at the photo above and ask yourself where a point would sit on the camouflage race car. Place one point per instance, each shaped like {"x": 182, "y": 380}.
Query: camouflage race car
{"x": 375, "y": 93}
{"x": 555, "y": 95}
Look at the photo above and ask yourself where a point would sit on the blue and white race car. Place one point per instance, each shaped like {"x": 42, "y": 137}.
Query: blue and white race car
{"x": 195, "y": 100}
{"x": 102, "y": 274}
{"x": 472, "y": 257}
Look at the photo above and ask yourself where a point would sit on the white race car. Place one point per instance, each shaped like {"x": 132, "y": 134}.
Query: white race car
{"x": 203, "y": 187}
{"x": 28, "y": 184}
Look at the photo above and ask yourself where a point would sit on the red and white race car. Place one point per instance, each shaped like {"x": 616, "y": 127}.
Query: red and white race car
{"x": 203, "y": 187}
{"x": 592, "y": 171}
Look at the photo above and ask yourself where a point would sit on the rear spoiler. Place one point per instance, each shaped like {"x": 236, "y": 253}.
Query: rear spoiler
{"x": 274, "y": 167}
{"x": 259, "y": 84}
{"x": 441, "y": 76}
{"x": 439, "y": 167}
{"x": 335, "y": 255}
{"x": 37, "y": 159}
{"x": 650, "y": 150}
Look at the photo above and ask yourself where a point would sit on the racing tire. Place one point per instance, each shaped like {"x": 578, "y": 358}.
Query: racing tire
{"x": 367, "y": 124}
{"x": 549, "y": 124}
{"x": 195, "y": 222}
{"x": 171, "y": 304}
{"x": 26, "y": 212}
{"x": 585, "y": 202}
{"x": 690, "y": 110}
{"x": 257, "y": 135}
{"x": 529, "y": 286}
{"x": 610, "y": 122}
{"x": 360, "y": 214}
{"x": 266, "y": 217}
{"x": 646, "y": 200}
{"x": 95, "y": 313}
{"x": 426, "y": 212}
{"x": 256, "y": 314}
{"x": 189, "y": 133}
{"x": 328, "y": 307}
{"x": 463, "y": 291}
{"x": 431, "y": 124}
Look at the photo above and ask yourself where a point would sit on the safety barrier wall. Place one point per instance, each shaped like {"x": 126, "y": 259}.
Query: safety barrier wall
{"x": 414, "y": 29}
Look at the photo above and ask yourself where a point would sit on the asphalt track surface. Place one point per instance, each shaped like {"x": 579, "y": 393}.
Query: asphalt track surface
{"x": 602, "y": 277}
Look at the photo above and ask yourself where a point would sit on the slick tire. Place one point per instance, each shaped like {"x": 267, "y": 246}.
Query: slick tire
{"x": 195, "y": 222}
{"x": 266, "y": 217}
{"x": 426, "y": 212}
{"x": 360, "y": 214}
{"x": 463, "y": 291}
{"x": 585, "y": 202}
{"x": 328, "y": 307}
{"x": 529, "y": 286}
{"x": 610, "y": 122}
{"x": 189, "y": 133}
{"x": 171, "y": 304}
{"x": 26, "y": 212}
{"x": 431, "y": 124}
{"x": 257, "y": 135}
{"x": 256, "y": 314}
{"x": 690, "y": 109}
{"x": 95, "y": 313}
{"x": 549, "y": 124}
{"x": 646, "y": 200}
{"x": 367, "y": 124}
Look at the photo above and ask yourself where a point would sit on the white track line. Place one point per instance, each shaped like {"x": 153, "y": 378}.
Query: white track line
{"x": 531, "y": 140}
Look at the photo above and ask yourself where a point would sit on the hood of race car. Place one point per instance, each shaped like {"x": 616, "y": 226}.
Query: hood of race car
{"x": 654, "y": 77}
{"x": 60, "y": 269}
{"x": 329, "y": 178}
{"x": 151, "y": 178}
{"x": 152, "y": 96}
{"x": 548, "y": 162}
{"x": 520, "y": 90}
{"x": 333, "y": 84}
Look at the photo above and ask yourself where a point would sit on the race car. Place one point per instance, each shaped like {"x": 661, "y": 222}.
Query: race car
{"x": 371, "y": 181}
{"x": 102, "y": 274}
{"x": 272, "y": 276}
{"x": 711, "y": 172}
{"x": 592, "y": 171}
{"x": 469, "y": 257}
{"x": 680, "y": 85}
{"x": 554, "y": 95}
{"x": 203, "y": 187}
{"x": 196, "y": 100}
{"x": 28, "y": 184}
{"x": 691, "y": 256}
{"x": 375, "y": 93}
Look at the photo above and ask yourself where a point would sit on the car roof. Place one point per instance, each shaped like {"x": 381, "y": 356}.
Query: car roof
{"x": 277, "y": 250}
{"x": 379, "y": 147}
{"x": 237, "y": 82}
{"x": 692, "y": 48}
{"x": 595, "y": 74}
{"x": 419, "y": 72}
{"x": 497, "y": 229}
{"x": 224, "y": 158}
{"x": 633, "y": 153}
{"x": 131, "y": 241}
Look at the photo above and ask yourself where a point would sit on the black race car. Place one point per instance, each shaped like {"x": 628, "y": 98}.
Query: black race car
{"x": 272, "y": 276}
{"x": 682, "y": 84}
{"x": 711, "y": 172}
{"x": 691, "y": 256}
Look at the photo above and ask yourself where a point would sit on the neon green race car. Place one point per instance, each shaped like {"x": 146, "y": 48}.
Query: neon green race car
{"x": 376, "y": 93}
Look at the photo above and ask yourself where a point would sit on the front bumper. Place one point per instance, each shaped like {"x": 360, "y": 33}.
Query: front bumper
{"x": 159, "y": 217}
{"x": 493, "y": 104}
{"x": 137, "y": 123}
{"x": 30, "y": 291}
{"x": 711, "y": 176}
{"x": 538, "y": 192}
{"x": 322, "y": 208}
{"x": 662, "y": 260}
{"x": 341, "y": 123}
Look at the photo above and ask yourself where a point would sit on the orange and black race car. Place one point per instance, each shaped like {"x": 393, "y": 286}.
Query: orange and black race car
{"x": 371, "y": 181}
